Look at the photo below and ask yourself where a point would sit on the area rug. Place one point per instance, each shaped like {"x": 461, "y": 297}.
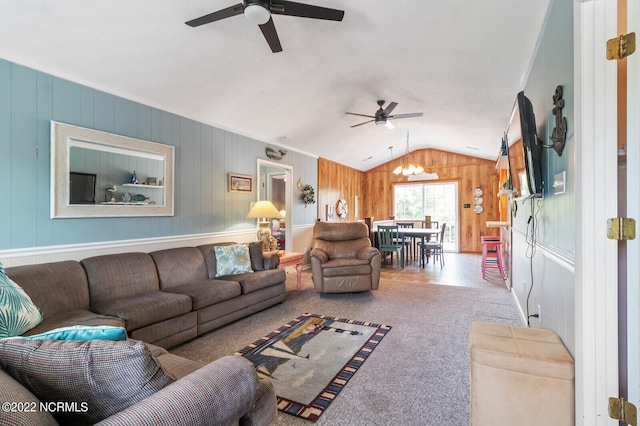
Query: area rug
{"x": 309, "y": 360}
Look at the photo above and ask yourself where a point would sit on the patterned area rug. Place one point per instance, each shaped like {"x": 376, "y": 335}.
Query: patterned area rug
{"x": 310, "y": 359}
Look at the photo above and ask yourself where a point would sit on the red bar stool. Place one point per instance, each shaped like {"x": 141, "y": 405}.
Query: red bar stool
{"x": 491, "y": 255}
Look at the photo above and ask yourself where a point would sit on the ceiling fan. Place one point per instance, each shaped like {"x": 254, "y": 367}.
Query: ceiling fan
{"x": 382, "y": 115}
{"x": 259, "y": 12}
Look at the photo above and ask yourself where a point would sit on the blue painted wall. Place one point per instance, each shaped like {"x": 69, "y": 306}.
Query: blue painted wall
{"x": 550, "y": 266}
{"x": 30, "y": 99}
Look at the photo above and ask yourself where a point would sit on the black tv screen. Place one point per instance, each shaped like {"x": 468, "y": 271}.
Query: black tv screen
{"x": 82, "y": 188}
{"x": 532, "y": 147}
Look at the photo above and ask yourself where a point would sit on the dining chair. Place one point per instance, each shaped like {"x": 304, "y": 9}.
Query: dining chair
{"x": 409, "y": 243}
{"x": 430, "y": 224}
{"x": 435, "y": 248}
{"x": 390, "y": 241}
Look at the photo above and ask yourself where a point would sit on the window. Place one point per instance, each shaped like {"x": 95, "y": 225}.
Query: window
{"x": 438, "y": 200}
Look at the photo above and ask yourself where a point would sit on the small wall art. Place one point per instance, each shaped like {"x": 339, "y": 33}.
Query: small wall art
{"x": 329, "y": 213}
{"x": 240, "y": 183}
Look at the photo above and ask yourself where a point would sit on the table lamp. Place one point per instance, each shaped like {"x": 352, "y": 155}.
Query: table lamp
{"x": 264, "y": 210}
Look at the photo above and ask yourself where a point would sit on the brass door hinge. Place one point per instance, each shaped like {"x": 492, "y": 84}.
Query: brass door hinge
{"x": 621, "y": 47}
{"x": 621, "y": 228}
{"x": 622, "y": 410}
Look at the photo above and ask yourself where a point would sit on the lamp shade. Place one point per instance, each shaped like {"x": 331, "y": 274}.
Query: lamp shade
{"x": 263, "y": 208}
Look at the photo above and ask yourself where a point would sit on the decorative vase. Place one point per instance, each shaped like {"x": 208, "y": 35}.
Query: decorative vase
{"x": 264, "y": 233}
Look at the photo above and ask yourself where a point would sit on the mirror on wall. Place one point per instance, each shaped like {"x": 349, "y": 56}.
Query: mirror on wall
{"x": 274, "y": 184}
{"x": 99, "y": 174}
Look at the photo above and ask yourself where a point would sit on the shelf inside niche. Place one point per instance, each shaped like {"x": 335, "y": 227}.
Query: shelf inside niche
{"x": 126, "y": 203}
{"x": 139, "y": 185}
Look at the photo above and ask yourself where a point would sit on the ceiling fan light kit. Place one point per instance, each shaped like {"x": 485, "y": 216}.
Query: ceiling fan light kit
{"x": 257, "y": 14}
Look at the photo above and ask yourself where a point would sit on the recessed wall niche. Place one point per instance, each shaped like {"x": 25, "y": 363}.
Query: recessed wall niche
{"x": 113, "y": 159}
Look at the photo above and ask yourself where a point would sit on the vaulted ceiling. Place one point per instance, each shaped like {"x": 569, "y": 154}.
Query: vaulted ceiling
{"x": 459, "y": 62}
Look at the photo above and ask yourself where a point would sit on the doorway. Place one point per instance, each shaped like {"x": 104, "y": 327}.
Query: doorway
{"x": 274, "y": 184}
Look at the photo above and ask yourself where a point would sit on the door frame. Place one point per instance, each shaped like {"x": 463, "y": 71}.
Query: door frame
{"x": 632, "y": 347}
{"x": 456, "y": 183}
{"x": 288, "y": 172}
{"x": 596, "y": 321}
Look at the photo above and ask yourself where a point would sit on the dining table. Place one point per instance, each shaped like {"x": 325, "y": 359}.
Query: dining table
{"x": 424, "y": 234}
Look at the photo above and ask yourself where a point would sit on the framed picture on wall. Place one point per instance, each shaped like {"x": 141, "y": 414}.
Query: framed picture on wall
{"x": 240, "y": 183}
{"x": 329, "y": 213}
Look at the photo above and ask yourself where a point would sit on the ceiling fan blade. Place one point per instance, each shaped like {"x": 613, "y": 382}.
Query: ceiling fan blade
{"x": 290, "y": 8}
{"x": 216, "y": 16}
{"x": 390, "y": 108}
{"x": 410, "y": 115}
{"x": 389, "y": 125}
{"x": 360, "y": 115}
{"x": 370, "y": 121}
{"x": 270, "y": 34}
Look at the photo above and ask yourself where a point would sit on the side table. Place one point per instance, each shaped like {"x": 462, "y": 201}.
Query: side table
{"x": 293, "y": 259}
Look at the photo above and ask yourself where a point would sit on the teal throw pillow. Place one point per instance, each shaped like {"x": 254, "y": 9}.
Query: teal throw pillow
{"x": 18, "y": 314}
{"x": 81, "y": 332}
{"x": 232, "y": 260}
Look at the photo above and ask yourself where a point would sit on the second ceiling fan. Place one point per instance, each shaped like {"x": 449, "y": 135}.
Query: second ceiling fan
{"x": 383, "y": 116}
{"x": 259, "y": 12}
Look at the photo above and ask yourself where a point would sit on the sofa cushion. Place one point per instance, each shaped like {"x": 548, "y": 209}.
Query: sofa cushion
{"x": 75, "y": 317}
{"x": 18, "y": 313}
{"x": 232, "y": 260}
{"x": 253, "y": 282}
{"x": 80, "y": 332}
{"x": 55, "y": 287}
{"x": 208, "y": 251}
{"x": 13, "y": 392}
{"x": 144, "y": 309}
{"x": 178, "y": 366}
{"x": 255, "y": 254}
{"x": 179, "y": 266}
{"x": 208, "y": 292}
{"x": 101, "y": 377}
{"x": 120, "y": 276}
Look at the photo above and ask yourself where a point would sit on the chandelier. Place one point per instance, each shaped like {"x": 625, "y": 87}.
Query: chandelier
{"x": 407, "y": 169}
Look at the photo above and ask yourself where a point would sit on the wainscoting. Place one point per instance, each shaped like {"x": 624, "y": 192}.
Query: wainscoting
{"x": 553, "y": 287}
{"x": 302, "y": 237}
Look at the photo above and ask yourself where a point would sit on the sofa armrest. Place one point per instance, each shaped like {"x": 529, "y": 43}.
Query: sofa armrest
{"x": 219, "y": 393}
{"x": 367, "y": 253}
{"x": 271, "y": 260}
{"x": 319, "y": 254}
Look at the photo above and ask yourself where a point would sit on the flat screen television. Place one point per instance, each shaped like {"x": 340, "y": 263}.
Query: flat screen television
{"x": 532, "y": 148}
{"x": 82, "y": 188}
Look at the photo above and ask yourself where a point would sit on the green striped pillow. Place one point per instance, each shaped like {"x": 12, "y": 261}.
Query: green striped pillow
{"x": 18, "y": 314}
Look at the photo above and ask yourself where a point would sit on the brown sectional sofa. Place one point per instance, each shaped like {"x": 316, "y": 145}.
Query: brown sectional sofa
{"x": 163, "y": 298}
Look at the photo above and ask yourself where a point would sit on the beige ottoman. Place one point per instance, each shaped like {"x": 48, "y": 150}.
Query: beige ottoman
{"x": 520, "y": 376}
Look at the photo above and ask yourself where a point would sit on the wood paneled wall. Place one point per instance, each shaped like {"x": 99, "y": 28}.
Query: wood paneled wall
{"x": 336, "y": 181}
{"x": 375, "y": 189}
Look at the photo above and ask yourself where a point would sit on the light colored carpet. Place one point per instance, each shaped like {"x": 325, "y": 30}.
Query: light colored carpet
{"x": 418, "y": 375}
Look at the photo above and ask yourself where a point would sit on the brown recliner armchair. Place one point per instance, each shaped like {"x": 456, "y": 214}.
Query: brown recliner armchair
{"x": 342, "y": 258}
